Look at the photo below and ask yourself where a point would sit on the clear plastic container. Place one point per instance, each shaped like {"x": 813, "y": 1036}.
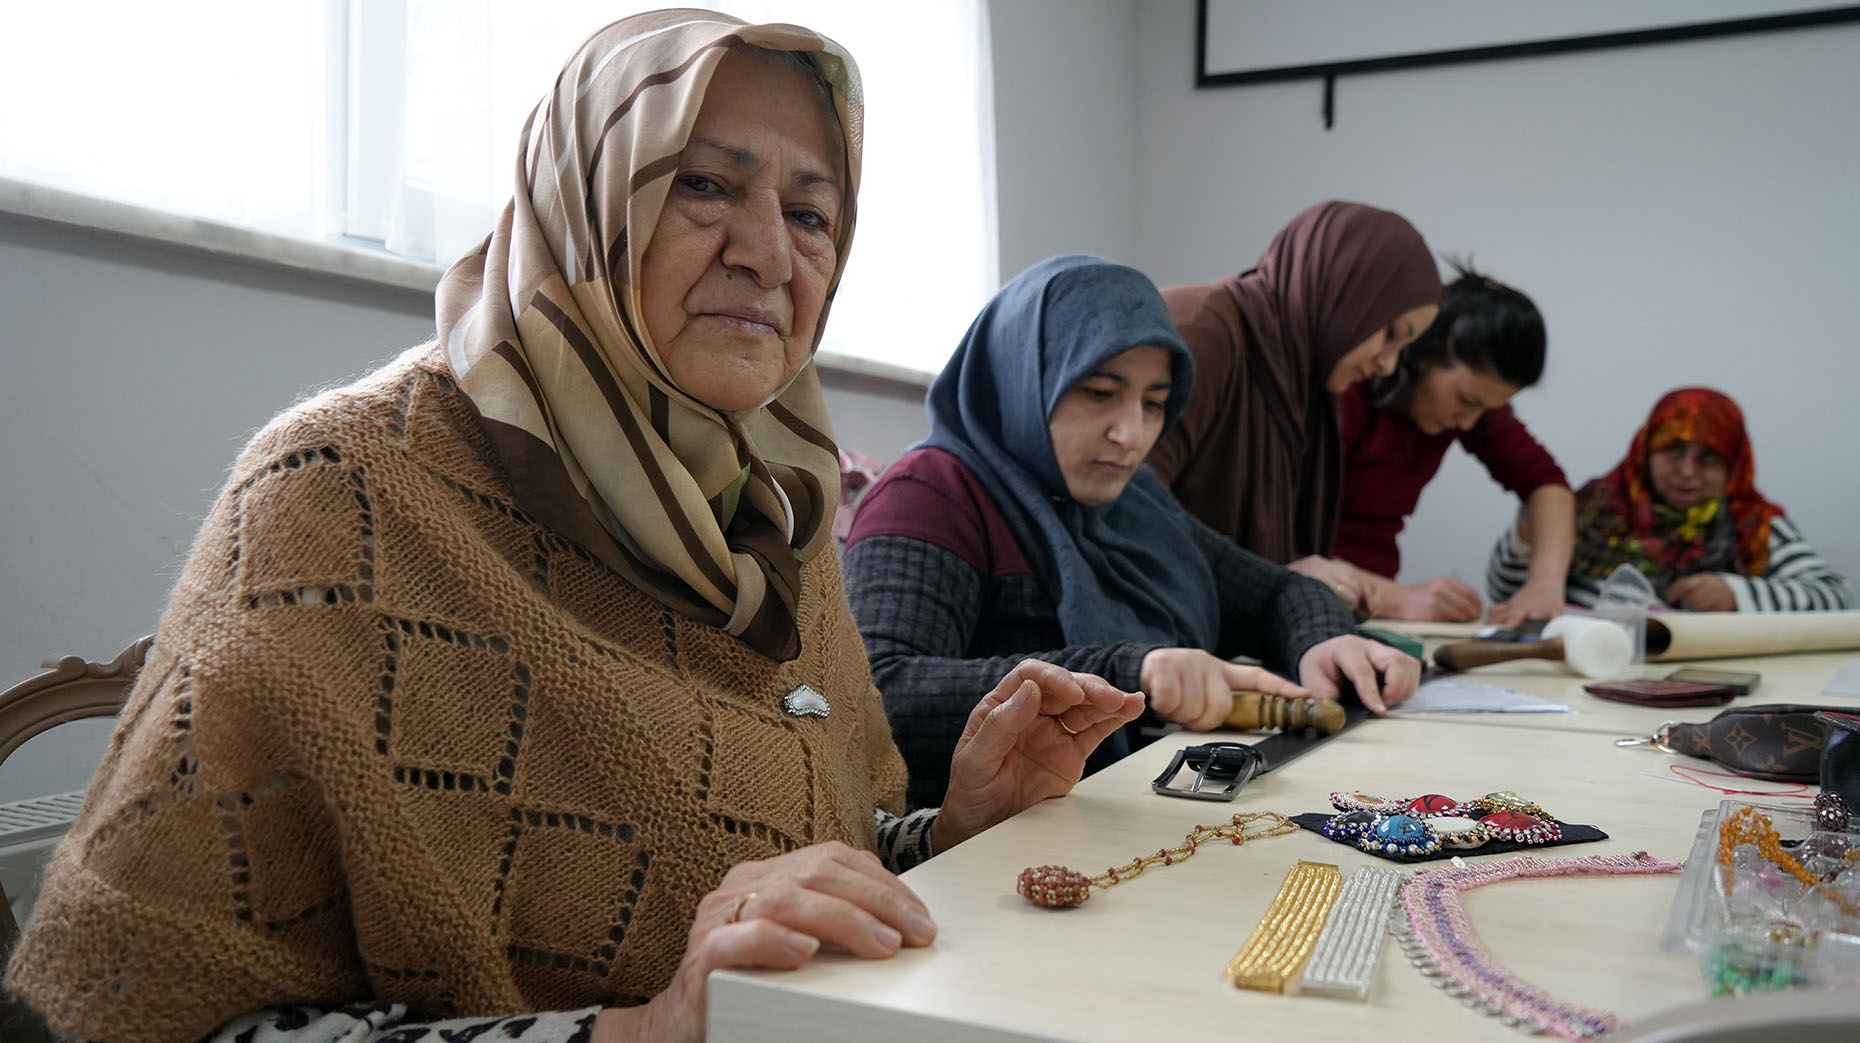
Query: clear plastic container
{"x": 1755, "y": 926}
{"x": 1625, "y": 597}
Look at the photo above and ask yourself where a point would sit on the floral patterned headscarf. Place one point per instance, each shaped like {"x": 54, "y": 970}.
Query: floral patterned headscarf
{"x": 1619, "y": 517}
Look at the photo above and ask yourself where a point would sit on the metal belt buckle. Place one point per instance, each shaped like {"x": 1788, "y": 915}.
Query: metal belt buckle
{"x": 1227, "y": 764}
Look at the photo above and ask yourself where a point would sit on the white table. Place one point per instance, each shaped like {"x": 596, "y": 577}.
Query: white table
{"x": 1143, "y": 960}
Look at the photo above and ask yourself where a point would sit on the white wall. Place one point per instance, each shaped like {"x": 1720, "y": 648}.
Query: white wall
{"x": 1066, "y": 96}
{"x": 133, "y": 375}
{"x": 1683, "y": 213}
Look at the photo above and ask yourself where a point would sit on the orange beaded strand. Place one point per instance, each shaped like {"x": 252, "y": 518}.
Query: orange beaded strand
{"x": 1747, "y": 825}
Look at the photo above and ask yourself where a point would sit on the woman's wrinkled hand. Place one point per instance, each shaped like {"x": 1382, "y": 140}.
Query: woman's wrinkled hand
{"x": 1024, "y": 742}
{"x": 1381, "y": 675}
{"x": 1195, "y": 689}
{"x": 777, "y": 913}
{"x": 1337, "y": 575}
{"x": 1702, "y": 592}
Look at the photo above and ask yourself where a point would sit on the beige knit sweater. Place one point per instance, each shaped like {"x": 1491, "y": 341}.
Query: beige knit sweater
{"x": 396, "y": 740}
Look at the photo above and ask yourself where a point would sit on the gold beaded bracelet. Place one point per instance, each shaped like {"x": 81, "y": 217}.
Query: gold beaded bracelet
{"x": 1277, "y": 949}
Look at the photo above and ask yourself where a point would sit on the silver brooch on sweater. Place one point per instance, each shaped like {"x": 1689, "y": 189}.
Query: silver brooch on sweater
{"x": 805, "y": 702}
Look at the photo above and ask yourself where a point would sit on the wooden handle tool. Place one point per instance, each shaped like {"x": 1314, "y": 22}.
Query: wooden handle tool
{"x": 1464, "y": 655}
{"x": 1257, "y": 710}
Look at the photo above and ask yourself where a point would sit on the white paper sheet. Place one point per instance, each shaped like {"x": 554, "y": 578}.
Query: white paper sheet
{"x": 1458, "y": 695}
{"x": 1846, "y": 680}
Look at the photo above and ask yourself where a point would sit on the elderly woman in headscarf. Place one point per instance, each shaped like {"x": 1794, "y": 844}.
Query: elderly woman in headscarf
{"x": 518, "y": 676}
{"x": 1683, "y": 508}
{"x": 1258, "y": 454}
{"x": 1026, "y": 525}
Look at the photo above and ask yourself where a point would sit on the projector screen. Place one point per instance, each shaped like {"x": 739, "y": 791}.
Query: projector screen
{"x": 1256, "y": 41}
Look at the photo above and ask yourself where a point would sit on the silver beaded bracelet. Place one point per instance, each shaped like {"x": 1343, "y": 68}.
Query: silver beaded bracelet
{"x": 1344, "y": 962}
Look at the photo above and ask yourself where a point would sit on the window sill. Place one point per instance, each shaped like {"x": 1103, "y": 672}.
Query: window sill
{"x": 44, "y": 203}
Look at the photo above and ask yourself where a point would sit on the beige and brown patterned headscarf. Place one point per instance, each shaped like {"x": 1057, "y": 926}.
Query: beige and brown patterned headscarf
{"x": 710, "y": 513}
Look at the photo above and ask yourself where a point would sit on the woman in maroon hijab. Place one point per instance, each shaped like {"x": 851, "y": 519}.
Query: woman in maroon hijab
{"x": 1257, "y": 455}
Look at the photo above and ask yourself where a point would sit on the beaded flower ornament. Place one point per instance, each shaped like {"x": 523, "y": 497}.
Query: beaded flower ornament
{"x": 1058, "y": 887}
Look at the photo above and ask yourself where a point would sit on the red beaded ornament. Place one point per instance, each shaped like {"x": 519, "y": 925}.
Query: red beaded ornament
{"x": 1520, "y": 828}
{"x": 1431, "y": 806}
{"x": 1057, "y": 887}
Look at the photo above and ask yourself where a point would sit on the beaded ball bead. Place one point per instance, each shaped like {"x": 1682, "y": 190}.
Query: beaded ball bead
{"x": 1831, "y": 812}
{"x": 1055, "y": 887}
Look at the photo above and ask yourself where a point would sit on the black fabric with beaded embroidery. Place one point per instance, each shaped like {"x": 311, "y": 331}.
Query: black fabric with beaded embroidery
{"x": 1504, "y": 821}
{"x": 1348, "y": 825}
{"x": 1571, "y": 833}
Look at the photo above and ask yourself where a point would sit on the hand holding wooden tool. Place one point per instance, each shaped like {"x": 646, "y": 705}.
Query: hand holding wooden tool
{"x": 1257, "y": 710}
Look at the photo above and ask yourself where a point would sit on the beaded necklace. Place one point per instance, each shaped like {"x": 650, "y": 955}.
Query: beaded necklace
{"x": 1439, "y": 940}
{"x": 1057, "y": 887}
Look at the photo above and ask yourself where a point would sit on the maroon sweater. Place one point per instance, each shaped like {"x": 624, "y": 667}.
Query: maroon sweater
{"x": 1387, "y": 461}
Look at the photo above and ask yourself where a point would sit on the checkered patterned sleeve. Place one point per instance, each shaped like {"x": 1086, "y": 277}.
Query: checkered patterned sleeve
{"x": 921, "y": 611}
{"x": 1268, "y": 611}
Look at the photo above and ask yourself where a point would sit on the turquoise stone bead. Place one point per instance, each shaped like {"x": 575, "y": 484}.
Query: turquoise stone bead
{"x": 1401, "y": 829}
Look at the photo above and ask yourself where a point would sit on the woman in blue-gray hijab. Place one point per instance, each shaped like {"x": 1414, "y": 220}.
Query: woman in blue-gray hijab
{"x": 1025, "y": 525}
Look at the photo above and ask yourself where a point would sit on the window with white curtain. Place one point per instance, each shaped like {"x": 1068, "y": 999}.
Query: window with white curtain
{"x": 392, "y": 125}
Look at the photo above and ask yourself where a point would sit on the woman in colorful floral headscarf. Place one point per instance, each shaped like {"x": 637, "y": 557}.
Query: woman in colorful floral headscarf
{"x": 1683, "y": 508}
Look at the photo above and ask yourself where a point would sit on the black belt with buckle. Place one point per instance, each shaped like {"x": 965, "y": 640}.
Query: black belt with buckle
{"x": 1228, "y": 765}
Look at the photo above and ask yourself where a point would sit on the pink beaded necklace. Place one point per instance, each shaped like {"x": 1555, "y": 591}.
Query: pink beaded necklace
{"x": 1440, "y": 941}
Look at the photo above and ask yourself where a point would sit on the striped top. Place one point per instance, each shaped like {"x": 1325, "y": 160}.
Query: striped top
{"x": 1798, "y": 580}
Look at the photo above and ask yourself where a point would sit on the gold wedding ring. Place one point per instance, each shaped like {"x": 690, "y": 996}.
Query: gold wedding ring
{"x": 1062, "y": 723}
{"x": 736, "y": 911}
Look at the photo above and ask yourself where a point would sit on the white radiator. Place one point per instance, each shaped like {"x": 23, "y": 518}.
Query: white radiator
{"x": 29, "y": 829}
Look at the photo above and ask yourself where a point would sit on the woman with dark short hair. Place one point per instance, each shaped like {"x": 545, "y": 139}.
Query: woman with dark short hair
{"x": 1454, "y": 384}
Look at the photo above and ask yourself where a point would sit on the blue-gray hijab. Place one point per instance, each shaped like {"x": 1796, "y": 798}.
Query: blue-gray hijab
{"x": 1123, "y": 571}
